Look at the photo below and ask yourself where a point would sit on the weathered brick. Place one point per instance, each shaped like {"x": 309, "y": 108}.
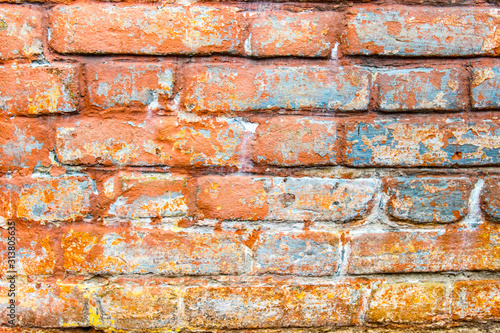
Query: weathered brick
{"x": 489, "y": 198}
{"x": 234, "y": 307}
{"x": 128, "y": 306}
{"x": 291, "y": 199}
{"x": 306, "y": 34}
{"x": 34, "y": 250}
{"x": 146, "y": 29}
{"x": 476, "y": 300}
{"x": 9, "y": 195}
{"x": 428, "y": 199}
{"x": 64, "y": 198}
{"x": 235, "y": 88}
{"x": 423, "y": 142}
{"x": 159, "y": 141}
{"x": 324, "y": 305}
{"x": 126, "y": 251}
{"x": 27, "y": 90}
{"x": 24, "y": 143}
{"x": 305, "y": 253}
{"x": 450, "y": 249}
{"x": 414, "y": 89}
{"x": 291, "y": 141}
{"x": 408, "y": 303}
{"x": 295, "y": 306}
{"x": 485, "y": 86}
{"x": 126, "y": 85}
{"x": 20, "y": 33}
{"x": 421, "y": 31}
{"x": 139, "y": 195}
{"x": 53, "y": 303}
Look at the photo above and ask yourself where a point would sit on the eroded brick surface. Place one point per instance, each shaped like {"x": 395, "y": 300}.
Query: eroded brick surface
{"x": 264, "y": 198}
{"x": 231, "y": 88}
{"x": 436, "y": 142}
{"x": 145, "y": 29}
{"x": 409, "y": 303}
{"x": 292, "y": 141}
{"x": 20, "y": 32}
{"x": 428, "y": 199}
{"x": 451, "y": 249}
{"x": 124, "y": 85}
{"x": 476, "y": 300}
{"x": 417, "y": 89}
{"x": 421, "y": 31}
{"x": 123, "y": 251}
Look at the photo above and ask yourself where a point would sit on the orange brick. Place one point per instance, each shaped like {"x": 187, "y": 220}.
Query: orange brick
{"x": 24, "y": 143}
{"x": 146, "y": 195}
{"x": 408, "y": 303}
{"x": 20, "y": 33}
{"x": 450, "y": 249}
{"x": 131, "y": 306}
{"x": 280, "y": 33}
{"x": 146, "y": 29}
{"x": 292, "y": 141}
{"x": 125, "y": 251}
{"x": 476, "y": 300}
{"x": 47, "y": 303}
{"x": 38, "y": 90}
{"x": 159, "y": 141}
{"x": 284, "y": 199}
{"x": 34, "y": 250}
{"x": 127, "y": 86}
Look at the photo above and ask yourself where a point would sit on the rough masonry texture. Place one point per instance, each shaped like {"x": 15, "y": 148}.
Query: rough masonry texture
{"x": 276, "y": 167}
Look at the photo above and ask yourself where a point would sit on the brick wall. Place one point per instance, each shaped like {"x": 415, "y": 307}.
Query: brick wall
{"x": 300, "y": 166}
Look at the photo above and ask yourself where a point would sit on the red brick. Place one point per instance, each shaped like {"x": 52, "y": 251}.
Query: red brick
{"x": 34, "y": 250}
{"x": 419, "y": 89}
{"x": 291, "y": 141}
{"x": 304, "y": 34}
{"x": 421, "y": 31}
{"x": 159, "y": 141}
{"x": 490, "y": 198}
{"x": 476, "y": 300}
{"x": 422, "y": 141}
{"x": 219, "y": 88}
{"x": 265, "y": 307}
{"x": 146, "y": 29}
{"x": 64, "y": 198}
{"x": 450, "y": 249}
{"x": 428, "y": 199}
{"x": 408, "y": 303}
{"x": 47, "y": 303}
{"x": 24, "y": 143}
{"x": 27, "y": 90}
{"x": 284, "y": 199}
{"x": 129, "y": 85}
{"x": 20, "y": 33}
{"x": 294, "y": 253}
{"x": 125, "y": 251}
{"x": 145, "y": 195}
{"x": 324, "y": 305}
{"x": 129, "y": 306}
